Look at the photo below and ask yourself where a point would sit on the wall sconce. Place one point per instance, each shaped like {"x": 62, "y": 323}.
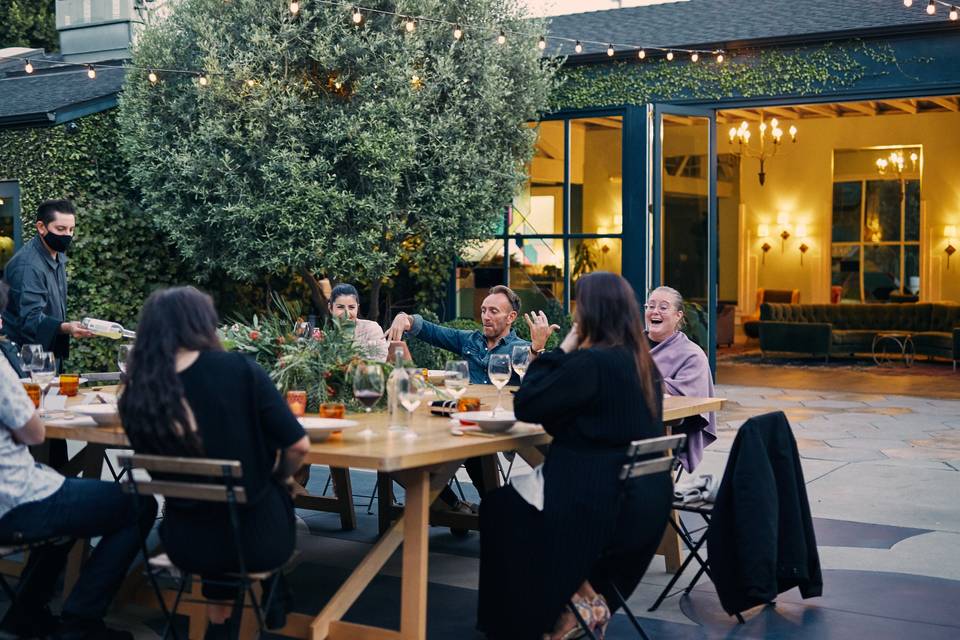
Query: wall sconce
{"x": 763, "y": 231}
{"x": 802, "y": 234}
{"x": 950, "y": 231}
{"x": 785, "y": 229}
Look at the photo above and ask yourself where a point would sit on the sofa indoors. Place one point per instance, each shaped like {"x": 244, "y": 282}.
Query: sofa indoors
{"x": 848, "y": 329}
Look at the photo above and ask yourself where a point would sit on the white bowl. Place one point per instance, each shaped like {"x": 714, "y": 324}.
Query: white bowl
{"x": 103, "y": 414}
{"x": 488, "y": 421}
{"x": 319, "y": 429}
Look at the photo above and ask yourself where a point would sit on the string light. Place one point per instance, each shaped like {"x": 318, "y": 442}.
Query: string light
{"x": 410, "y": 25}
{"x": 954, "y": 13}
{"x": 931, "y": 8}
{"x": 694, "y": 56}
{"x": 91, "y": 72}
{"x": 502, "y": 38}
{"x": 578, "y": 47}
{"x": 542, "y": 43}
{"x": 202, "y": 80}
{"x": 719, "y": 58}
{"x": 669, "y": 55}
{"x": 908, "y": 3}
{"x": 642, "y": 54}
{"x": 610, "y": 50}
{"x": 357, "y": 16}
{"x": 152, "y": 77}
{"x": 28, "y": 67}
{"x": 251, "y": 82}
{"x": 294, "y": 7}
{"x": 457, "y": 32}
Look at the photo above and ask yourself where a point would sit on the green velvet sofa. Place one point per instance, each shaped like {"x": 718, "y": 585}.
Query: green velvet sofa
{"x": 847, "y": 329}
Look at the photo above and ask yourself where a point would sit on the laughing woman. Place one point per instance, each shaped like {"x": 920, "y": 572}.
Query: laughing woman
{"x": 684, "y": 367}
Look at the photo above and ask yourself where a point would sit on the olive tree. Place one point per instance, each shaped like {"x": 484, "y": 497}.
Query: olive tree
{"x": 331, "y": 148}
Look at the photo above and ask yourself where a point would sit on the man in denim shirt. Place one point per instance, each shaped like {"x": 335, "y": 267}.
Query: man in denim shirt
{"x": 497, "y": 313}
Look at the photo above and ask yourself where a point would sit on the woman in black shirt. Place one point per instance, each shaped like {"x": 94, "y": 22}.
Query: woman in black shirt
{"x": 595, "y": 394}
{"x": 185, "y": 396}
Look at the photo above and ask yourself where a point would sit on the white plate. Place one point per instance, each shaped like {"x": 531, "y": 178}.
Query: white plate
{"x": 102, "y": 414}
{"x": 319, "y": 429}
{"x": 502, "y": 421}
{"x": 56, "y": 381}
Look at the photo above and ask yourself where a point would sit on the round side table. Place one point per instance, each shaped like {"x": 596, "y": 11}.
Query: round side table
{"x": 887, "y": 345}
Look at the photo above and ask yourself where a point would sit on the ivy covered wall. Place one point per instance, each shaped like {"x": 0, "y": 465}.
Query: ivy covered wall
{"x": 116, "y": 259}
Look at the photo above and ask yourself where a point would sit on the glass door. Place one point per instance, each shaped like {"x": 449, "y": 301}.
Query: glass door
{"x": 683, "y": 212}
{"x": 9, "y": 221}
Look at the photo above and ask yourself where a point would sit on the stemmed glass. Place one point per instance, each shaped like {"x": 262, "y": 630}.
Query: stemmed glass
{"x": 499, "y": 371}
{"x": 30, "y": 356}
{"x": 123, "y": 356}
{"x": 410, "y": 390}
{"x": 457, "y": 378}
{"x": 44, "y": 369}
{"x": 520, "y": 357}
{"x": 367, "y": 389}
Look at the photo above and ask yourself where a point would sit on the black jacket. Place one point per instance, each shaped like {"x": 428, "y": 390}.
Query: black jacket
{"x": 9, "y": 350}
{"x": 761, "y": 540}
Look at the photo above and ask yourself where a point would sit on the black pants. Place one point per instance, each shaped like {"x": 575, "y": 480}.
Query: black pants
{"x": 474, "y": 468}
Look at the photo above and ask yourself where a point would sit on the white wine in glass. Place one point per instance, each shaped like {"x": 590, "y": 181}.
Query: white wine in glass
{"x": 410, "y": 393}
{"x": 457, "y": 378}
{"x": 499, "y": 371}
{"x": 44, "y": 370}
{"x": 520, "y": 357}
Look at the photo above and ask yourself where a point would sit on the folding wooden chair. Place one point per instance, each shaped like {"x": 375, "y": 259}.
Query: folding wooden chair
{"x": 20, "y": 544}
{"x": 222, "y": 485}
{"x": 667, "y": 446}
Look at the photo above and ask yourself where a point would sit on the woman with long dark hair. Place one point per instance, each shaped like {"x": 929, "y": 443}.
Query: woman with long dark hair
{"x": 185, "y": 396}
{"x": 542, "y": 540}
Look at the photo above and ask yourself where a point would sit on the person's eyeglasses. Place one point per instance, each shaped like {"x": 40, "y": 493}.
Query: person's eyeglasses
{"x": 653, "y": 306}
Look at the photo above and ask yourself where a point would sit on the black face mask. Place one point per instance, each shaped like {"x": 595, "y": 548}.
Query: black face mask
{"x": 57, "y": 242}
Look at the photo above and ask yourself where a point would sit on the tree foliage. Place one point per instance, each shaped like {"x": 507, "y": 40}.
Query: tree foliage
{"x": 326, "y": 147}
{"x": 28, "y": 23}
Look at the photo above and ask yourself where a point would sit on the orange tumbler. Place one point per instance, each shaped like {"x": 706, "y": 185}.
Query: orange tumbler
{"x": 33, "y": 390}
{"x": 332, "y": 410}
{"x": 69, "y": 384}
{"x": 297, "y": 401}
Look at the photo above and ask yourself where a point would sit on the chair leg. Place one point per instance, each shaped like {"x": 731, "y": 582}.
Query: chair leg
{"x": 326, "y": 487}
{"x": 248, "y": 587}
{"x": 456, "y": 482}
{"x": 373, "y": 497}
{"x": 583, "y": 623}
{"x": 170, "y": 627}
{"x": 676, "y": 576}
{"x": 626, "y": 609}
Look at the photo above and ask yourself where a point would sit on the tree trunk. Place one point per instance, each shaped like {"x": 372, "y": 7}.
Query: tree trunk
{"x": 373, "y": 313}
{"x": 316, "y": 292}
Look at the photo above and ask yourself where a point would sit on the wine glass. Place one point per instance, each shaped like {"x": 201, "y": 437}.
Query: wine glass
{"x": 367, "y": 388}
{"x": 499, "y": 371}
{"x": 44, "y": 369}
{"x": 520, "y": 357}
{"x": 123, "y": 356}
{"x": 30, "y": 356}
{"x": 457, "y": 378}
{"x": 410, "y": 392}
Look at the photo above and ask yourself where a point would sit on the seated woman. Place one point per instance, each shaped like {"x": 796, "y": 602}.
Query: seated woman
{"x": 185, "y": 396}
{"x": 684, "y": 367}
{"x": 345, "y": 304}
{"x": 594, "y": 394}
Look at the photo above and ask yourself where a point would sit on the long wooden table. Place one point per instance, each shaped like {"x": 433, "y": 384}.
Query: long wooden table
{"x": 423, "y": 465}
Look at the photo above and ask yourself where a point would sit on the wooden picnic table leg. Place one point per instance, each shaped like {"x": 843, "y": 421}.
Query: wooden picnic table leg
{"x": 384, "y": 501}
{"x": 344, "y": 491}
{"x": 416, "y": 549}
{"x": 670, "y": 547}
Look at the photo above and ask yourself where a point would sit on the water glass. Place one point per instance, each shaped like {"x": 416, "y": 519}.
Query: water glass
{"x": 499, "y": 370}
{"x": 44, "y": 370}
{"x": 30, "y": 356}
{"x": 521, "y": 359}
{"x": 410, "y": 392}
{"x": 457, "y": 377}
{"x": 123, "y": 356}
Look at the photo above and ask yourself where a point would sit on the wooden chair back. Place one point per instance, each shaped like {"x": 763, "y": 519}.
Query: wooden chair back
{"x": 229, "y": 472}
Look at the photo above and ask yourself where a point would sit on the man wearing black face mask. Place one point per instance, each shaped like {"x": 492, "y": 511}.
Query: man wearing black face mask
{"x": 37, "y": 275}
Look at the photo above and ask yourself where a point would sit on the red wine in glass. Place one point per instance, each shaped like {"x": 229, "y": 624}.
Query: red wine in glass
{"x": 368, "y": 397}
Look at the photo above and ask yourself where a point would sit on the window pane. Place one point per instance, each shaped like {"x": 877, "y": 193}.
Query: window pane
{"x": 911, "y": 229}
{"x": 538, "y": 208}
{"x": 845, "y": 272}
{"x": 596, "y": 175}
{"x": 7, "y": 248}
{"x": 536, "y": 271}
{"x": 911, "y": 268}
{"x": 594, "y": 254}
{"x": 881, "y": 272}
{"x": 882, "y": 212}
{"x": 481, "y": 267}
{"x": 846, "y": 211}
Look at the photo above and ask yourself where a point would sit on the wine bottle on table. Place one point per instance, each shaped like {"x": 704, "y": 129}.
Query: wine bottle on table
{"x": 107, "y": 329}
{"x": 393, "y": 395}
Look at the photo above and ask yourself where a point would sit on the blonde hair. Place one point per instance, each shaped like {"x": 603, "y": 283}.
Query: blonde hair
{"x": 677, "y": 302}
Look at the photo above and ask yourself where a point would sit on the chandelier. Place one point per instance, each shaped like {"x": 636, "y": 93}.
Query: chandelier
{"x": 768, "y": 142}
{"x": 896, "y": 164}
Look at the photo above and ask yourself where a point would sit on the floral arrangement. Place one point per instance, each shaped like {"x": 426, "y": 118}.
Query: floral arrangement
{"x": 300, "y": 357}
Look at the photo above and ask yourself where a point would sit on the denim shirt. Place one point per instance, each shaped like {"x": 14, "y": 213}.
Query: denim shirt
{"x": 470, "y": 345}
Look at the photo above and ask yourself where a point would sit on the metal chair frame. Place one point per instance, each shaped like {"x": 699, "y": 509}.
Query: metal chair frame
{"x": 230, "y": 473}
{"x": 19, "y": 544}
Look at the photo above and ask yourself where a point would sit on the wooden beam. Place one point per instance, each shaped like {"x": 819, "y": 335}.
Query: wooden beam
{"x": 902, "y": 105}
{"x": 825, "y": 110}
{"x": 866, "y": 108}
{"x": 743, "y": 114}
{"x": 684, "y": 120}
{"x": 783, "y": 112}
{"x": 611, "y": 123}
{"x": 950, "y": 104}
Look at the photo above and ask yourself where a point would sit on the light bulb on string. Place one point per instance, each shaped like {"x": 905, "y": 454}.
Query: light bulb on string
{"x": 502, "y": 38}
{"x": 91, "y": 72}
{"x": 954, "y": 13}
{"x": 694, "y": 56}
{"x": 202, "y": 80}
{"x": 931, "y": 7}
{"x": 542, "y": 43}
{"x": 410, "y": 25}
{"x": 251, "y": 82}
{"x": 357, "y": 17}
{"x": 28, "y": 67}
{"x": 669, "y": 55}
{"x": 457, "y": 32}
{"x": 578, "y": 47}
{"x": 908, "y": 3}
{"x": 294, "y": 7}
{"x": 719, "y": 58}
{"x": 152, "y": 77}
{"x": 610, "y": 50}
{"x": 642, "y": 54}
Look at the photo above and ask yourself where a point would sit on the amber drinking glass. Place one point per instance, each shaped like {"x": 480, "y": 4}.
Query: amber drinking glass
{"x": 69, "y": 384}
{"x": 297, "y": 401}
{"x": 332, "y": 410}
{"x": 33, "y": 390}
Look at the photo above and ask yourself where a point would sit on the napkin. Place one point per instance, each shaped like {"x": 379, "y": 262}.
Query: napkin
{"x": 53, "y": 401}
